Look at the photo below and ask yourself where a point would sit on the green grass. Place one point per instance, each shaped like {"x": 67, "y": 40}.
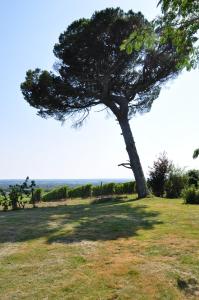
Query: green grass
{"x": 119, "y": 249}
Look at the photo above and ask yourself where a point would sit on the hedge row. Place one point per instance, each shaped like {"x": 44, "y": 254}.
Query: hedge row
{"x": 89, "y": 190}
{"x": 56, "y": 194}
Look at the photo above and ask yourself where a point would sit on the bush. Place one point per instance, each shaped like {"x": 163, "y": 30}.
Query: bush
{"x": 104, "y": 189}
{"x": 83, "y": 191}
{"x": 158, "y": 175}
{"x": 16, "y": 196}
{"x": 108, "y": 188}
{"x": 129, "y": 187}
{"x": 114, "y": 189}
{"x": 56, "y": 194}
{"x": 4, "y": 201}
{"x": 37, "y": 195}
{"x": 191, "y": 195}
{"x": 97, "y": 190}
{"x": 119, "y": 189}
{"x": 86, "y": 191}
{"x": 75, "y": 192}
{"x": 175, "y": 183}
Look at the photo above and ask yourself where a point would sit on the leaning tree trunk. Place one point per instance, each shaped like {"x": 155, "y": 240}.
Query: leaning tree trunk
{"x": 134, "y": 158}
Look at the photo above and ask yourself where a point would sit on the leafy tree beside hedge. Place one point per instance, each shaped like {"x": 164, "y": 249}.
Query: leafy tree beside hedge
{"x": 17, "y": 195}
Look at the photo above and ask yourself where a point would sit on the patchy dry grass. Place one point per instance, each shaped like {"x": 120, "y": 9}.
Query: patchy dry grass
{"x": 121, "y": 249}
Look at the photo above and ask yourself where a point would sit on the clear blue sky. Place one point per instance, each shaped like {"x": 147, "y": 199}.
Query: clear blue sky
{"x": 45, "y": 149}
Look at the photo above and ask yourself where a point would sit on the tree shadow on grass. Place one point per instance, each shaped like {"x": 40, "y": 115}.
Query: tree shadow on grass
{"x": 79, "y": 222}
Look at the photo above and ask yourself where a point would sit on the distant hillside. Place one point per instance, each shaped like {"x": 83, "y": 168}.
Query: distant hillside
{"x": 50, "y": 183}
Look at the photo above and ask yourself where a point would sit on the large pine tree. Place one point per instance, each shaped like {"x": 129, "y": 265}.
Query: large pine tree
{"x": 91, "y": 70}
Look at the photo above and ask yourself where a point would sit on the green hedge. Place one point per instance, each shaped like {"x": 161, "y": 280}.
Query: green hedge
{"x": 37, "y": 195}
{"x": 56, "y": 194}
{"x": 83, "y": 191}
{"x": 88, "y": 190}
{"x": 114, "y": 189}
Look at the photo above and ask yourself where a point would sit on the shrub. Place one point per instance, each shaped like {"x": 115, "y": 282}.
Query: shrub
{"x": 4, "y": 200}
{"x": 191, "y": 195}
{"x": 37, "y": 195}
{"x": 56, "y": 194}
{"x": 86, "y": 191}
{"x": 119, "y": 189}
{"x": 104, "y": 189}
{"x": 75, "y": 192}
{"x": 108, "y": 188}
{"x": 83, "y": 191}
{"x": 14, "y": 196}
{"x": 175, "y": 183}
{"x": 97, "y": 190}
{"x": 158, "y": 175}
{"x": 129, "y": 187}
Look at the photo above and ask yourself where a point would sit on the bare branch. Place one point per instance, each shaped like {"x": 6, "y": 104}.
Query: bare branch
{"x": 125, "y": 165}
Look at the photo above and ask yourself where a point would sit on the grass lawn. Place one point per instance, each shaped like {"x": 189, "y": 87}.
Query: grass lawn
{"x": 120, "y": 249}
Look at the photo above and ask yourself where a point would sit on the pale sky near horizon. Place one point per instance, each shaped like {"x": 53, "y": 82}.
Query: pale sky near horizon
{"x": 32, "y": 146}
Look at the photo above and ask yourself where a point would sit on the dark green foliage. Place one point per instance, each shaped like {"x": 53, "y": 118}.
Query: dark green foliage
{"x": 14, "y": 197}
{"x": 167, "y": 180}
{"x": 129, "y": 187}
{"x": 193, "y": 177}
{"x": 175, "y": 183}
{"x": 97, "y": 190}
{"x": 114, "y": 189}
{"x": 75, "y": 192}
{"x": 108, "y": 188}
{"x": 91, "y": 69}
{"x": 125, "y": 188}
{"x": 196, "y": 153}
{"x": 191, "y": 195}
{"x": 56, "y": 194}
{"x": 119, "y": 189}
{"x": 37, "y": 194}
{"x": 83, "y": 191}
{"x": 158, "y": 175}
{"x": 4, "y": 200}
{"x": 86, "y": 191}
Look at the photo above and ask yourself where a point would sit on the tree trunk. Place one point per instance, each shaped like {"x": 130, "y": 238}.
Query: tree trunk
{"x": 134, "y": 158}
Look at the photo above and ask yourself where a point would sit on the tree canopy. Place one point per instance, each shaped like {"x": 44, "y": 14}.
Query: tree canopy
{"x": 178, "y": 23}
{"x": 92, "y": 70}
